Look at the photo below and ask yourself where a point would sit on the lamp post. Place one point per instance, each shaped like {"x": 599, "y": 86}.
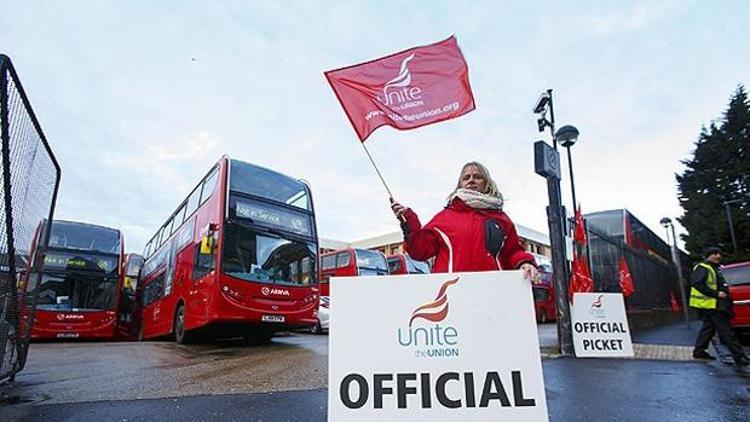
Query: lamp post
{"x": 667, "y": 223}
{"x": 567, "y": 137}
{"x": 729, "y": 221}
{"x": 547, "y": 165}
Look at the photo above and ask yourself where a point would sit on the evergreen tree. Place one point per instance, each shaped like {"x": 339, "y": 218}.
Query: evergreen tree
{"x": 719, "y": 171}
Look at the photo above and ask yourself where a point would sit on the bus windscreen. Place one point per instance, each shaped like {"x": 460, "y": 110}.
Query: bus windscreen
{"x": 77, "y": 282}
{"x": 252, "y": 256}
{"x": 371, "y": 263}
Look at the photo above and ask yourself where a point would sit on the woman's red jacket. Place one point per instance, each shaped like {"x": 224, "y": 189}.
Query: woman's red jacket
{"x": 464, "y": 230}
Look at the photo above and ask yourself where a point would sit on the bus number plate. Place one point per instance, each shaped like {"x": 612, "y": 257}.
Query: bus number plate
{"x": 67, "y": 335}
{"x": 272, "y": 318}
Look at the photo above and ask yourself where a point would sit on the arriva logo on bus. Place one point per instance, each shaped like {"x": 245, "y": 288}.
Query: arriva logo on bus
{"x": 267, "y": 291}
{"x": 64, "y": 317}
{"x": 432, "y": 341}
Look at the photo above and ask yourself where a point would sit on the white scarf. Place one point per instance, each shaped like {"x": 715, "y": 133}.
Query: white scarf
{"x": 477, "y": 200}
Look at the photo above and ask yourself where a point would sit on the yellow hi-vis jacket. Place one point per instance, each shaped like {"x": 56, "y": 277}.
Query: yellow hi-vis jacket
{"x": 698, "y": 299}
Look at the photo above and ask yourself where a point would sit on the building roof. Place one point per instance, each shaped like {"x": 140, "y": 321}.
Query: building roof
{"x": 397, "y": 237}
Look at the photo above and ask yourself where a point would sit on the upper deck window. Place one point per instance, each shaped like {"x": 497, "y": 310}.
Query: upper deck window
{"x": 86, "y": 237}
{"x": 264, "y": 183}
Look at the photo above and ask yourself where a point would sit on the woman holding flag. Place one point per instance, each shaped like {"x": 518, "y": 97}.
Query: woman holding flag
{"x": 472, "y": 233}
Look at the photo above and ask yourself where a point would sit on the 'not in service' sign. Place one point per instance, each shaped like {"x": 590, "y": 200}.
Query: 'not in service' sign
{"x": 434, "y": 347}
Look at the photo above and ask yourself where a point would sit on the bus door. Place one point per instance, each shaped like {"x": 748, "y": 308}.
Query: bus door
{"x": 128, "y": 314}
{"x": 203, "y": 257}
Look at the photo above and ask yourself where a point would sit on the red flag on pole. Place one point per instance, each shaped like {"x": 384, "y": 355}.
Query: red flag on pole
{"x": 405, "y": 90}
{"x": 580, "y": 231}
{"x": 580, "y": 279}
{"x": 626, "y": 280}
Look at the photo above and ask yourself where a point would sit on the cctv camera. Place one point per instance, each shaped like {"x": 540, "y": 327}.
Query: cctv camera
{"x": 541, "y": 103}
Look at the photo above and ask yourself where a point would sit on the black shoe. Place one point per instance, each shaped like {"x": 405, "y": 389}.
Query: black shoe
{"x": 742, "y": 362}
{"x": 702, "y": 354}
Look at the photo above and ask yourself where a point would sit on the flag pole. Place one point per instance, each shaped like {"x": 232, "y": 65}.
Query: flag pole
{"x": 390, "y": 195}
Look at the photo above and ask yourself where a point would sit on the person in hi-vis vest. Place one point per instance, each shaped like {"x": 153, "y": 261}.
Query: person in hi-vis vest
{"x": 709, "y": 295}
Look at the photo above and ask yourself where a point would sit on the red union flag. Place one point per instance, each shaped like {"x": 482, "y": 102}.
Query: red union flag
{"x": 406, "y": 90}
{"x": 626, "y": 280}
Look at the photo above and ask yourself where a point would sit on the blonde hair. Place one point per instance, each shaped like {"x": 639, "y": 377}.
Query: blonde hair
{"x": 490, "y": 187}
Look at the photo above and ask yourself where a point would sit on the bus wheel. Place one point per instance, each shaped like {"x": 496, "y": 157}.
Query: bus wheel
{"x": 258, "y": 336}
{"x": 180, "y": 335}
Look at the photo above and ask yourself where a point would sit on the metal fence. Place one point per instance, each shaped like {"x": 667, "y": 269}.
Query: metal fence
{"x": 655, "y": 280}
{"x": 30, "y": 179}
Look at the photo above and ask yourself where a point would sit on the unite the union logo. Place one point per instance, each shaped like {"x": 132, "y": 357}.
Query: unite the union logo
{"x": 597, "y": 308}
{"x": 598, "y": 302}
{"x": 431, "y": 340}
{"x": 436, "y": 310}
{"x": 398, "y": 92}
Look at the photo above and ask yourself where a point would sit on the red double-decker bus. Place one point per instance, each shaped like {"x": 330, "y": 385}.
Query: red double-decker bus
{"x": 237, "y": 258}
{"x": 544, "y": 298}
{"x": 81, "y": 278}
{"x": 350, "y": 262}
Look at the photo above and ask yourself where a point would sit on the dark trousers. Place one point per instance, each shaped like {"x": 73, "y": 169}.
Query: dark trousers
{"x": 718, "y": 322}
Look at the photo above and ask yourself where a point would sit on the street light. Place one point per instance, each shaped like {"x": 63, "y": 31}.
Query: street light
{"x": 667, "y": 223}
{"x": 567, "y": 137}
{"x": 729, "y": 221}
{"x": 547, "y": 165}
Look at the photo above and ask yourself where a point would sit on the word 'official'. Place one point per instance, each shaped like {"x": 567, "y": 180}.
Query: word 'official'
{"x": 355, "y": 390}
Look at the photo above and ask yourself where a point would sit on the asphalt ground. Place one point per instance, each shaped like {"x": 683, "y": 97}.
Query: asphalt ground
{"x": 577, "y": 390}
{"x": 287, "y": 379}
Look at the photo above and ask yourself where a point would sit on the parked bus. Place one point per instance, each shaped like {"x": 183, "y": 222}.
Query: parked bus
{"x": 404, "y": 264}
{"x": 79, "y": 290}
{"x": 350, "y": 262}
{"x": 238, "y": 257}
{"x": 621, "y": 224}
{"x": 544, "y": 298}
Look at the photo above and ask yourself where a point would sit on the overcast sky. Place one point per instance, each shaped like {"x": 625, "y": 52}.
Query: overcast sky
{"x": 138, "y": 99}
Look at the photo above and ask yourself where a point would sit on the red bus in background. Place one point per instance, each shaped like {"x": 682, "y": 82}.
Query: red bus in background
{"x": 81, "y": 277}
{"x": 350, "y": 262}
{"x": 238, "y": 257}
{"x": 404, "y": 264}
{"x": 544, "y": 298}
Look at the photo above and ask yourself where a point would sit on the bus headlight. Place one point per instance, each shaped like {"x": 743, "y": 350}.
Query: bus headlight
{"x": 230, "y": 291}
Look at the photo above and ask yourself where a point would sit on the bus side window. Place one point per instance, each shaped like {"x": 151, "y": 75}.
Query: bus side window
{"x": 209, "y": 184}
{"x": 328, "y": 262}
{"x": 343, "y": 260}
{"x": 153, "y": 291}
{"x": 204, "y": 264}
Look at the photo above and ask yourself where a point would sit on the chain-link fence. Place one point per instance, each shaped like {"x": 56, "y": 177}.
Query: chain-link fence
{"x": 655, "y": 280}
{"x": 30, "y": 178}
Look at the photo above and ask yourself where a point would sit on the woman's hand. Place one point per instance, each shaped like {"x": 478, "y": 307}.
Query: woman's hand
{"x": 530, "y": 273}
{"x": 398, "y": 210}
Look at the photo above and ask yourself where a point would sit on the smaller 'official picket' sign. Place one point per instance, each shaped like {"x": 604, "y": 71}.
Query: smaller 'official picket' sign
{"x": 434, "y": 347}
{"x": 600, "y": 326}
